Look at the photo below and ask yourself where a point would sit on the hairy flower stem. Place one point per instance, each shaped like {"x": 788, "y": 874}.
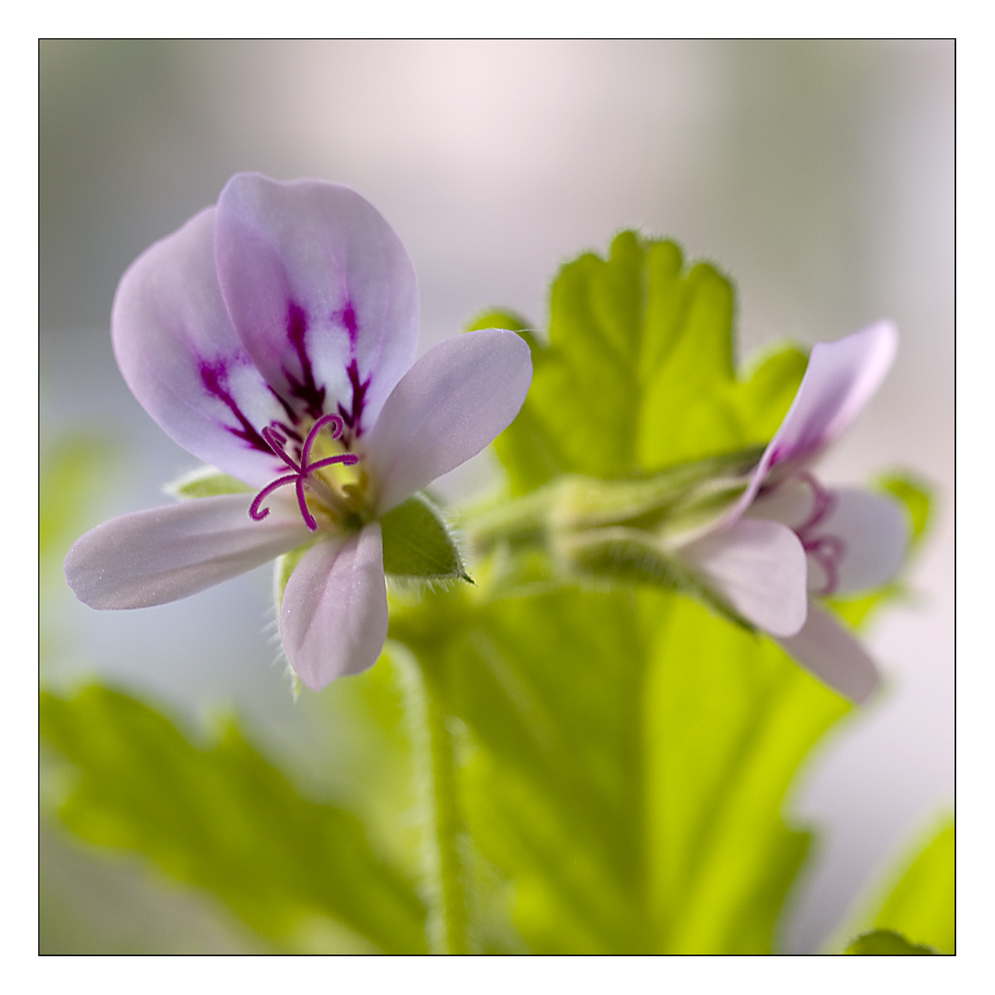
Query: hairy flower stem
{"x": 445, "y": 873}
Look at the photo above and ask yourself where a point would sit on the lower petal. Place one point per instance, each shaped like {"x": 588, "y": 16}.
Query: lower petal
{"x": 334, "y": 615}
{"x": 759, "y": 567}
{"x": 833, "y": 655}
{"x": 164, "y": 554}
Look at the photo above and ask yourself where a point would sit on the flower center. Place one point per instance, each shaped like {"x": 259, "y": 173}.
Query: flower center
{"x": 304, "y": 476}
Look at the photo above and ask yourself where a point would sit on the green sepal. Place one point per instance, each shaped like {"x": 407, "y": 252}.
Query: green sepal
{"x": 675, "y": 501}
{"x": 622, "y": 554}
{"x": 886, "y": 941}
{"x": 417, "y": 543}
{"x": 205, "y": 481}
{"x": 672, "y": 504}
{"x": 283, "y": 568}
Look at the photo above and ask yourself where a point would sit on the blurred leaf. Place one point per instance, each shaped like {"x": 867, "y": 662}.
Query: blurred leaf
{"x": 73, "y": 476}
{"x": 639, "y": 371}
{"x": 76, "y": 473}
{"x": 919, "y": 903}
{"x": 633, "y": 751}
{"x": 729, "y": 720}
{"x": 885, "y": 941}
{"x": 222, "y": 818}
{"x": 916, "y": 496}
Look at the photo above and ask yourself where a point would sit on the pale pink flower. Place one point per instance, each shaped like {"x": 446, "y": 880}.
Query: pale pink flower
{"x": 789, "y": 539}
{"x": 273, "y": 336}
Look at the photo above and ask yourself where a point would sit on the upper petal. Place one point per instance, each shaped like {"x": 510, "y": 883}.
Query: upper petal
{"x": 180, "y": 356}
{"x": 333, "y": 620}
{"x": 840, "y": 379}
{"x": 321, "y": 292}
{"x": 759, "y": 566}
{"x": 163, "y": 554}
{"x": 825, "y": 648}
{"x": 447, "y": 407}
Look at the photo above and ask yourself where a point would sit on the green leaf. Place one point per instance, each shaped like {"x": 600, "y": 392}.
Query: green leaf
{"x": 921, "y": 905}
{"x": 916, "y": 496}
{"x": 417, "y": 544}
{"x": 221, "y": 817}
{"x": 205, "y": 481}
{"x": 918, "y": 898}
{"x": 885, "y": 941}
{"x": 76, "y": 475}
{"x": 496, "y": 318}
{"x": 631, "y": 751}
{"x": 73, "y": 475}
{"x": 639, "y": 373}
{"x": 632, "y": 754}
{"x": 729, "y": 720}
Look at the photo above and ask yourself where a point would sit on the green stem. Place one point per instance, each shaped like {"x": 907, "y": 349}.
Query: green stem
{"x": 518, "y": 522}
{"x": 447, "y": 925}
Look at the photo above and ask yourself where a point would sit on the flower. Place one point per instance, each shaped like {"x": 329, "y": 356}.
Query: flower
{"x": 789, "y": 539}
{"x": 273, "y": 336}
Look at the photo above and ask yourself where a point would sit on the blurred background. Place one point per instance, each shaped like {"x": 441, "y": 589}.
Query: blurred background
{"x": 818, "y": 174}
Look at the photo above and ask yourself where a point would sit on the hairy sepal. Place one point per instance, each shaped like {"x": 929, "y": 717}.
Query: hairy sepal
{"x": 418, "y": 545}
{"x": 205, "y": 481}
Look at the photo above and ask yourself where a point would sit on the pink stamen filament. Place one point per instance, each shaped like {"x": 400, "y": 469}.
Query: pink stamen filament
{"x": 827, "y": 550}
{"x": 823, "y": 503}
{"x": 276, "y": 441}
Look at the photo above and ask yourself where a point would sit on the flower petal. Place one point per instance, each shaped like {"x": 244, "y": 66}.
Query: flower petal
{"x": 840, "y": 379}
{"x": 759, "y": 566}
{"x": 321, "y": 292}
{"x": 164, "y": 554}
{"x": 872, "y": 534}
{"x": 857, "y": 542}
{"x": 179, "y": 354}
{"x": 826, "y": 649}
{"x": 334, "y": 615}
{"x": 447, "y": 407}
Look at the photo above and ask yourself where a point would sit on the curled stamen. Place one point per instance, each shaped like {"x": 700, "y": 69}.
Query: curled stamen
{"x": 276, "y": 440}
{"x": 309, "y": 520}
{"x": 315, "y": 429}
{"x": 823, "y": 503}
{"x": 827, "y": 551}
{"x": 256, "y": 512}
{"x": 346, "y": 459}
